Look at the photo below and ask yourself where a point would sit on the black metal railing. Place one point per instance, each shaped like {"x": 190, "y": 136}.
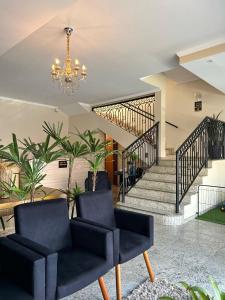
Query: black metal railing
{"x": 135, "y": 115}
{"x": 204, "y": 143}
{"x": 141, "y": 155}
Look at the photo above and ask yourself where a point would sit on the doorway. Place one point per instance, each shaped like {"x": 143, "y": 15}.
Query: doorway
{"x": 111, "y": 162}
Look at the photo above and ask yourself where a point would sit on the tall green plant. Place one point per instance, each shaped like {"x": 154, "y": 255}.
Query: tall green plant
{"x": 31, "y": 158}
{"x": 71, "y": 150}
{"x": 98, "y": 152}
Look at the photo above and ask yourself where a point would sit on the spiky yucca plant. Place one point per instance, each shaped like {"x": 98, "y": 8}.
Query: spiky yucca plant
{"x": 31, "y": 158}
{"x": 71, "y": 150}
{"x": 98, "y": 152}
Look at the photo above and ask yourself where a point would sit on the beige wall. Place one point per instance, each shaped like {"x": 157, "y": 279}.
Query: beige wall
{"x": 180, "y": 108}
{"x": 91, "y": 121}
{"x": 26, "y": 119}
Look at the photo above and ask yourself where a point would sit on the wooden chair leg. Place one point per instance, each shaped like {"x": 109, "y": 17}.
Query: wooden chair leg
{"x": 118, "y": 283}
{"x": 103, "y": 288}
{"x": 2, "y": 222}
{"x": 149, "y": 267}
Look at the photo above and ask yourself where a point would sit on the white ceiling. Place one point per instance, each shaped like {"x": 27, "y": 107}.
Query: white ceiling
{"x": 119, "y": 41}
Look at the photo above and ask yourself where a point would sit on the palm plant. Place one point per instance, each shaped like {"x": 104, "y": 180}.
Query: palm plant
{"x": 31, "y": 158}
{"x": 198, "y": 293}
{"x": 71, "y": 150}
{"x": 98, "y": 152}
{"x": 215, "y": 136}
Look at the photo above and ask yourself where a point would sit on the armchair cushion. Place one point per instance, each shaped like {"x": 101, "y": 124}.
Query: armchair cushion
{"x": 22, "y": 272}
{"x": 44, "y": 222}
{"x": 96, "y": 206}
{"x": 77, "y": 268}
{"x": 132, "y": 245}
{"x": 9, "y": 290}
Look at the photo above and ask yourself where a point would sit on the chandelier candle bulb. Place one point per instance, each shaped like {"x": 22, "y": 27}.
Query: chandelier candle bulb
{"x": 70, "y": 73}
{"x": 57, "y": 61}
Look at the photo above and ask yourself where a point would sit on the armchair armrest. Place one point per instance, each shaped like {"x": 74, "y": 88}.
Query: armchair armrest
{"x": 116, "y": 236}
{"x": 23, "y": 266}
{"x": 51, "y": 262}
{"x": 94, "y": 239}
{"x": 136, "y": 222}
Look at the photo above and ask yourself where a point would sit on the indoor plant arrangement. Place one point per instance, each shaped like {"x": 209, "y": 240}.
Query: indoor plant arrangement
{"x": 215, "y": 137}
{"x": 70, "y": 150}
{"x": 198, "y": 293}
{"x": 31, "y": 159}
{"x": 98, "y": 152}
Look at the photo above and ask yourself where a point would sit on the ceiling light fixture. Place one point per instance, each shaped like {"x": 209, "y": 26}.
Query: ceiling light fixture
{"x": 71, "y": 73}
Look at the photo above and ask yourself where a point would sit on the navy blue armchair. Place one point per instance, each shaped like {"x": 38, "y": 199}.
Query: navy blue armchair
{"x": 102, "y": 182}
{"x": 22, "y": 272}
{"x": 133, "y": 233}
{"x": 76, "y": 253}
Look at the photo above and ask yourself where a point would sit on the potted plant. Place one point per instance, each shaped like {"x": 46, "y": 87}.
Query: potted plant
{"x": 215, "y": 137}
{"x": 98, "y": 151}
{"x": 70, "y": 150}
{"x": 76, "y": 191}
{"x": 31, "y": 159}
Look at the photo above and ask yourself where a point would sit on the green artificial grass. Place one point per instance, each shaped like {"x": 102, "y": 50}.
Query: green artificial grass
{"x": 214, "y": 215}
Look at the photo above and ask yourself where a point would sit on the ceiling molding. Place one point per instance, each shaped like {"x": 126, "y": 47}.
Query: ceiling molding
{"x": 27, "y": 102}
{"x": 201, "y": 53}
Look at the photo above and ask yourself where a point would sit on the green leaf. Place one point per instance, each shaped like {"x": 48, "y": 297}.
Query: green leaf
{"x": 202, "y": 293}
{"x": 166, "y": 298}
{"x": 215, "y": 288}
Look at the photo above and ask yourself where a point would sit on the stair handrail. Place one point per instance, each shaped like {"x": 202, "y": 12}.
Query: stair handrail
{"x": 191, "y": 157}
{"x": 147, "y": 114}
{"x": 146, "y": 149}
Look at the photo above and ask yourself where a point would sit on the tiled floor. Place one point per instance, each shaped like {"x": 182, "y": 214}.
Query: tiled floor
{"x": 190, "y": 252}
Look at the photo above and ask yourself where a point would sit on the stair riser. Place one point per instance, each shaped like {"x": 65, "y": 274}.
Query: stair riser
{"x": 167, "y": 163}
{"x": 150, "y": 205}
{"x": 156, "y": 195}
{"x": 165, "y": 178}
{"x": 150, "y": 194}
{"x": 158, "y": 219}
{"x": 170, "y": 170}
{"x": 164, "y": 186}
{"x": 159, "y": 177}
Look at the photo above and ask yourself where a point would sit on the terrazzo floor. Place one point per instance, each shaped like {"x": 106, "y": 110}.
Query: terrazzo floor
{"x": 190, "y": 252}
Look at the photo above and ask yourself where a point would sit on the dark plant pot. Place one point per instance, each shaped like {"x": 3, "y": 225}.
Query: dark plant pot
{"x": 215, "y": 151}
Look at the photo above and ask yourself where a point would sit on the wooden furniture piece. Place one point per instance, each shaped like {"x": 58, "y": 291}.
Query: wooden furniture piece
{"x": 7, "y": 205}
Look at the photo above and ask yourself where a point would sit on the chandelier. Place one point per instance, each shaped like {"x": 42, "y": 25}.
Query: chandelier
{"x": 71, "y": 73}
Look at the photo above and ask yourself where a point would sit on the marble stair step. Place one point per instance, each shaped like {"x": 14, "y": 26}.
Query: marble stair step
{"x": 162, "y": 186}
{"x": 150, "y": 204}
{"x": 170, "y": 170}
{"x": 155, "y": 194}
{"x": 168, "y": 177}
{"x": 160, "y": 217}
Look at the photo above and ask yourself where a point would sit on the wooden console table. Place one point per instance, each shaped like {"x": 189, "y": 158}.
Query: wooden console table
{"x": 7, "y": 205}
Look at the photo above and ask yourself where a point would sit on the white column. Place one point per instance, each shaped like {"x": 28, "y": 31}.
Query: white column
{"x": 160, "y": 82}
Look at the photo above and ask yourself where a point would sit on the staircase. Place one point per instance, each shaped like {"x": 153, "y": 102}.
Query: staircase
{"x": 155, "y": 194}
{"x": 166, "y": 188}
